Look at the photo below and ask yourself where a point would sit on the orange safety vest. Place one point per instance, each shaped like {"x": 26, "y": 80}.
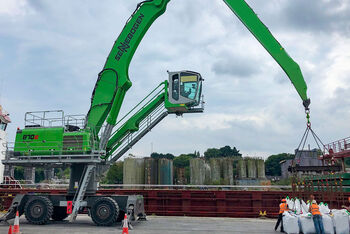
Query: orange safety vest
{"x": 315, "y": 209}
{"x": 283, "y": 208}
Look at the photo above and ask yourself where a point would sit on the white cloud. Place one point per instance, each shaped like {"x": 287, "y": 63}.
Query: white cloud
{"x": 54, "y": 51}
{"x": 14, "y": 8}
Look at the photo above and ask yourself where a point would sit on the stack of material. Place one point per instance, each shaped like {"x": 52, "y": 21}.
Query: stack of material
{"x": 300, "y": 220}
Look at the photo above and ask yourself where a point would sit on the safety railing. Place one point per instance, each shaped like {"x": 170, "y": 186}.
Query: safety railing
{"x": 131, "y": 139}
{"x": 337, "y": 146}
{"x": 53, "y": 118}
{"x": 75, "y": 120}
{"x": 138, "y": 107}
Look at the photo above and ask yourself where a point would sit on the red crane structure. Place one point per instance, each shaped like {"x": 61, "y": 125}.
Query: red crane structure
{"x": 337, "y": 150}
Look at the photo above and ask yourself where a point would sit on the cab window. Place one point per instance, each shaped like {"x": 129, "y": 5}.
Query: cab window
{"x": 175, "y": 84}
{"x": 188, "y": 85}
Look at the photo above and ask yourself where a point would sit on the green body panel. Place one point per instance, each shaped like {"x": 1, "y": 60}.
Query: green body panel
{"x": 264, "y": 36}
{"x": 46, "y": 141}
{"x": 107, "y": 101}
{"x": 51, "y": 141}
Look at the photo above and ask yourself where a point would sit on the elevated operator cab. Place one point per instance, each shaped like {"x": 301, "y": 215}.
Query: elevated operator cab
{"x": 185, "y": 92}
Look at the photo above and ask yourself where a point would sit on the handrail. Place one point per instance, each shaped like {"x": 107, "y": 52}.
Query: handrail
{"x": 137, "y": 105}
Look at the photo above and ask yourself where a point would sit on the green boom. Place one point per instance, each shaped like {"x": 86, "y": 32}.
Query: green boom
{"x": 114, "y": 81}
{"x": 264, "y": 36}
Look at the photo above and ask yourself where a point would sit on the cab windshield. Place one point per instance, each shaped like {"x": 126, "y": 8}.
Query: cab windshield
{"x": 188, "y": 85}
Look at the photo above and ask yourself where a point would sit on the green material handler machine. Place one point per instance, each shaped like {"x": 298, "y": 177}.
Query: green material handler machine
{"x": 90, "y": 144}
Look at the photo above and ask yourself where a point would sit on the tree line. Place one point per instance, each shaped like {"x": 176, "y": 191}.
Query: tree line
{"x": 115, "y": 172}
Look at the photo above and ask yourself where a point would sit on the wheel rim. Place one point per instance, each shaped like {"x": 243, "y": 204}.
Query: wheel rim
{"x": 103, "y": 211}
{"x": 37, "y": 210}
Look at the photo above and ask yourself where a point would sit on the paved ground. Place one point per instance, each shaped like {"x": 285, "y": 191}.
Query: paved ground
{"x": 154, "y": 225}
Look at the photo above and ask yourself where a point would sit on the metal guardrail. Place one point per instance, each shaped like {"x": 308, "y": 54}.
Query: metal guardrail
{"x": 338, "y": 146}
{"x": 45, "y": 118}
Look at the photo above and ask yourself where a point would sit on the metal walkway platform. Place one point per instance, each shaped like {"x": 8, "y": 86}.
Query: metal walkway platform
{"x": 52, "y": 160}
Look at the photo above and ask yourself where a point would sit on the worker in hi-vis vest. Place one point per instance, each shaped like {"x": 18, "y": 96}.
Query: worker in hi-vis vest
{"x": 283, "y": 208}
{"x": 317, "y": 217}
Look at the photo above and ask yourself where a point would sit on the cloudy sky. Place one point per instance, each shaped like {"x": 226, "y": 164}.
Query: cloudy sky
{"x": 52, "y": 51}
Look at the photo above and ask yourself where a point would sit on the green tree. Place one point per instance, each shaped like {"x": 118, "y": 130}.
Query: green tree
{"x": 63, "y": 173}
{"x": 212, "y": 153}
{"x": 159, "y": 155}
{"x": 39, "y": 175}
{"x": 272, "y": 164}
{"x": 225, "y": 151}
{"x": 235, "y": 152}
{"x": 197, "y": 154}
{"x": 183, "y": 160}
{"x": 115, "y": 174}
{"x": 19, "y": 173}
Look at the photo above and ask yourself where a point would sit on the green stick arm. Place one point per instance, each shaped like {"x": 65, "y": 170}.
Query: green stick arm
{"x": 248, "y": 17}
{"x": 113, "y": 81}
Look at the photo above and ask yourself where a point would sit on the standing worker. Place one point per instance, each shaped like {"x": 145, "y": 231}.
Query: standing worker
{"x": 317, "y": 217}
{"x": 283, "y": 208}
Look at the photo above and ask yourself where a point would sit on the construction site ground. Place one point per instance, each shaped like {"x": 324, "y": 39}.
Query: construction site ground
{"x": 154, "y": 225}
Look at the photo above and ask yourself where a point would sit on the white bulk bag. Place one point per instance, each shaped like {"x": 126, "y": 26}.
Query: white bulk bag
{"x": 341, "y": 221}
{"x": 290, "y": 223}
{"x": 324, "y": 208}
{"x": 304, "y": 207}
{"x": 328, "y": 224}
{"x": 307, "y": 224}
{"x": 297, "y": 205}
{"x": 290, "y": 203}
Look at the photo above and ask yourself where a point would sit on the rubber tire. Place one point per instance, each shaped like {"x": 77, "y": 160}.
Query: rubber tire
{"x": 59, "y": 213}
{"x": 45, "y": 213}
{"x": 109, "y": 207}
